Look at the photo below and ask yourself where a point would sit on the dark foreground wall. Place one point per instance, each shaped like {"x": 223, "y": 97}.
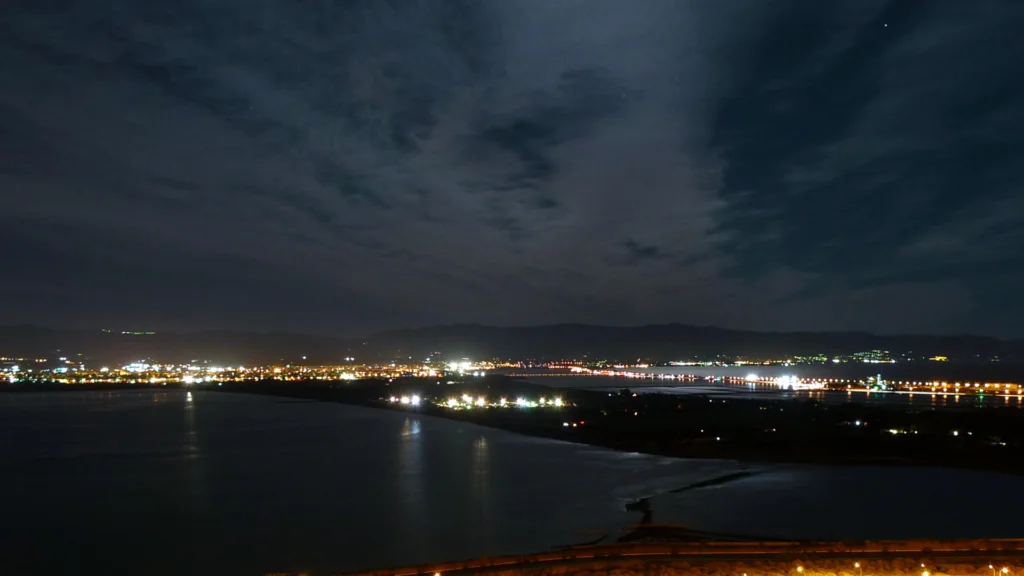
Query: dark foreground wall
{"x": 883, "y": 558}
{"x": 625, "y": 567}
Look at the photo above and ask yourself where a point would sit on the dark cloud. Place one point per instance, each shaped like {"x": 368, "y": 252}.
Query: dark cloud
{"x": 346, "y": 166}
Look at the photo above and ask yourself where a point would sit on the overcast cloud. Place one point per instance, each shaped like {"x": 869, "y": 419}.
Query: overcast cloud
{"x": 346, "y": 166}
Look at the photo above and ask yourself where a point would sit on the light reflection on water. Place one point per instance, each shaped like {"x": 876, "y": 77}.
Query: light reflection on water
{"x": 248, "y": 484}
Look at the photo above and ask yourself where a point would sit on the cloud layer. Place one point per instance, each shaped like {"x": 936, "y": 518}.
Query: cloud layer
{"x": 347, "y": 166}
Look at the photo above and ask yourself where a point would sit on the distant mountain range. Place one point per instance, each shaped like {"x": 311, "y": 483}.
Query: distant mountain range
{"x": 224, "y": 347}
{"x": 667, "y": 342}
{"x": 664, "y": 342}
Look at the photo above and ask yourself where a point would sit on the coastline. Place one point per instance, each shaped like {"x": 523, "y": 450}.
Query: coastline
{"x": 649, "y": 443}
{"x": 643, "y": 440}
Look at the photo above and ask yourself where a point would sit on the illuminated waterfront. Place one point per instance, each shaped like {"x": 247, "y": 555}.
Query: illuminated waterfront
{"x": 741, "y": 389}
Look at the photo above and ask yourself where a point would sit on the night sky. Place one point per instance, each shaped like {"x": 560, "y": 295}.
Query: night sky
{"x": 347, "y": 166}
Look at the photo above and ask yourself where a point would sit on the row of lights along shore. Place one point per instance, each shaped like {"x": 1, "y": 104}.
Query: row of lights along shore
{"x": 924, "y": 569}
{"x": 857, "y": 565}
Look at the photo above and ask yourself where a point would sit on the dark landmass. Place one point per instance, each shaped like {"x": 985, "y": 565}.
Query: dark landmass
{"x": 556, "y": 342}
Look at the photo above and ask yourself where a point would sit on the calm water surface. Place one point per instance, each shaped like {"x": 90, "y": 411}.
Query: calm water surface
{"x": 98, "y": 482}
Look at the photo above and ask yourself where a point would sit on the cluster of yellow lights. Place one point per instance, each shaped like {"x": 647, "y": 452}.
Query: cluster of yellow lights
{"x": 140, "y": 373}
{"x": 467, "y": 402}
{"x": 924, "y": 569}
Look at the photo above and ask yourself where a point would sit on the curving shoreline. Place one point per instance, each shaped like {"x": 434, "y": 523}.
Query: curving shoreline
{"x": 690, "y": 427}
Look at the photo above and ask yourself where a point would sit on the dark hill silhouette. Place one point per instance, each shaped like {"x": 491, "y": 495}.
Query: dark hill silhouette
{"x": 663, "y": 342}
{"x": 669, "y": 341}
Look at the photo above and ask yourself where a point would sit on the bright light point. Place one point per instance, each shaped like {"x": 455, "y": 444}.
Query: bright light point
{"x": 856, "y": 564}
{"x": 467, "y": 398}
{"x": 502, "y": 402}
{"x": 404, "y": 400}
{"x": 188, "y": 379}
{"x": 558, "y": 401}
{"x": 956, "y": 433}
{"x": 566, "y": 424}
{"x": 452, "y": 402}
{"x": 925, "y": 573}
{"x": 751, "y": 377}
{"x": 542, "y": 401}
{"x": 857, "y": 423}
{"x": 799, "y": 568}
{"x": 1005, "y": 570}
{"x": 415, "y": 400}
{"x": 521, "y": 402}
{"x": 481, "y": 401}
